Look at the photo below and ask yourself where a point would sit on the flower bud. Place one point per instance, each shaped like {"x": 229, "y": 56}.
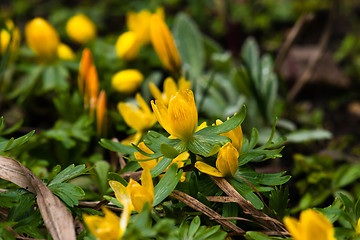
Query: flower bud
{"x": 65, "y": 52}
{"x": 11, "y": 33}
{"x": 81, "y": 29}
{"x": 42, "y": 38}
{"x": 127, "y": 81}
{"x": 127, "y": 46}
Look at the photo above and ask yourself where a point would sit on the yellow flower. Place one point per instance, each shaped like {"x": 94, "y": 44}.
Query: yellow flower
{"x": 137, "y": 194}
{"x": 127, "y": 81}
{"x": 65, "y": 52}
{"x": 164, "y": 44}
{"x": 170, "y": 89}
{"x": 226, "y": 162}
{"x": 127, "y": 46}
{"x": 140, "y": 118}
{"x": 5, "y": 37}
{"x": 81, "y": 29}
{"x": 42, "y": 38}
{"x": 101, "y": 113}
{"x": 150, "y": 164}
{"x": 180, "y": 118}
{"x": 235, "y": 135}
{"x": 312, "y": 225}
{"x": 109, "y": 227}
{"x": 358, "y": 227}
{"x": 85, "y": 63}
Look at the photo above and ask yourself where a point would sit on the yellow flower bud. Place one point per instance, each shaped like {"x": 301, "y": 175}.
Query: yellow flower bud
{"x": 101, "y": 111}
{"x": 180, "y": 117}
{"x": 164, "y": 44}
{"x": 65, "y": 52}
{"x": 91, "y": 89}
{"x": 226, "y": 162}
{"x": 138, "y": 194}
{"x": 80, "y": 29}
{"x": 42, "y": 38}
{"x": 235, "y": 135}
{"x": 311, "y": 225}
{"x": 85, "y": 63}
{"x": 5, "y": 37}
{"x": 139, "y": 23}
{"x": 127, "y": 46}
{"x": 127, "y": 81}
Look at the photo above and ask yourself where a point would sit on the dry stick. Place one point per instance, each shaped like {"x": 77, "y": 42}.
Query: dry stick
{"x": 290, "y": 39}
{"x": 311, "y": 66}
{"x": 248, "y": 208}
{"x": 198, "y": 206}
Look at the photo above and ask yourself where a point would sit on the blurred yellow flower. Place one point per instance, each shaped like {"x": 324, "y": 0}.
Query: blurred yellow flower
{"x": 236, "y": 136}
{"x": 101, "y": 111}
{"x": 127, "y": 46}
{"x": 85, "y": 63}
{"x": 127, "y": 81}
{"x": 137, "y": 194}
{"x": 311, "y": 225}
{"x": 164, "y": 44}
{"x": 358, "y": 227}
{"x": 65, "y": 52}
{"x": 226, "y": 162}
{"x": 109, "y": 227}
{"x": 11, "y": 33}
{"x": 140, "y": 118}
{"x": 180, "y": 118}
{"x": 170, "y": 89}
{"x": 42, "y": 38}
{"x": 150, "y": 164}
{"x": 81, "y": 29}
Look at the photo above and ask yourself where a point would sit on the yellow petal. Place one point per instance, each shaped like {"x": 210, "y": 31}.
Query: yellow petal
{"x": 314, "y": 225}
{"x": 227, "y": 160}
{"x": 147, "y": 183}
{"x": 292, "y": 225}
{"x": 101, "y": 113}
{"x": 65, "y": 52}
{"x": 235, "y": 135}
{"x": 140, "y": 24}
{"x": 201, "y": 126}
{"x": 161, "y": 114}
{"x": 132, "y": 139}
{"x": 358, "y": 227}
{"x": 121, "y": 193}
{"x": 184, "y": 84}
{"x": 156, "y": 92}
{"x": 139, "y": 195}
{"x": 81, "y": 29}
{"x": 205, "y": 168}
{"x": 179, "y": 160}
{"x": 150, "y": 164}
{"x": 170, "y": 89}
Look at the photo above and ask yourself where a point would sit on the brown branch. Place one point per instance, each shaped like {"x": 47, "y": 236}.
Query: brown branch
{"x": 290, "y": 39}
{"x": 311, "y": 66}
{"x": 247, "y": 207}
{"x": 198, "y": 206}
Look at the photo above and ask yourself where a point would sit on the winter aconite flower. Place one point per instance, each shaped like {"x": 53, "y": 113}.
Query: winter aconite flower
{"x": 311, "y": 225}
{"x": 180, "y": 117}
{"x": 226, "y": 162}
{"x": 127, "y": 46}
{"x": 170, "y": 89}
{"x": 101, "y": 112}
{"x": 109, "y": 227}
{"x": 164, "y": 44}
{"x": 65, "y": 52}
{"x": 137, "y": 194}
{"x": 235, "y": 135}
{"x": 42, "y": 38}
{"x": 139, "y": 118}
{"x": 9, "y": 35}
{"x": 81, "y": 29}
{"x": 127, "y": 81}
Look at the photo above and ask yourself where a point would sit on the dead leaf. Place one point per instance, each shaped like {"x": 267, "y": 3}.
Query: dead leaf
{"x": 57, "y": 218}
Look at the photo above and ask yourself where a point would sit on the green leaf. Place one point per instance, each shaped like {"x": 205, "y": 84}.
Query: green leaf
{"x": 168, "y": 151}
{"x": 26, "y": 201}
{"x": 116, "y": 147}
{"x": 251, "y": 56}
{"x": 160, "y": 166}
{"x": 167, "y": 184}
{"x": 254, "y": 138}
{"x": 258, "y": 236}
{"x": 269, "y": 179}
{"x": 54, "y": 77}
{"x": 101, "y": 169}
{"x": 194, "y": 226}
{"x": 69, "y": 173}
{"x": 226, "y": 126}
{"x": 246, "y": 191}
{"x": 153, "y": 140}
{"x": 308, "y": 135}
{"x": 190, "y": 44}
{"x": 14, "y": 143}
{"x": 278, "y": 201}
{"x": 69, "y": 193}
{"x": 12, "y": 129}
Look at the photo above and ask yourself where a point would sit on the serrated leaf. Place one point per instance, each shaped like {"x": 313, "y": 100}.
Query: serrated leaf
{"x": 160, "y": 166}
{"x": 14, "y": 143}
{"x": 67, "y": 192}
{"x": 68, "y": 173}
